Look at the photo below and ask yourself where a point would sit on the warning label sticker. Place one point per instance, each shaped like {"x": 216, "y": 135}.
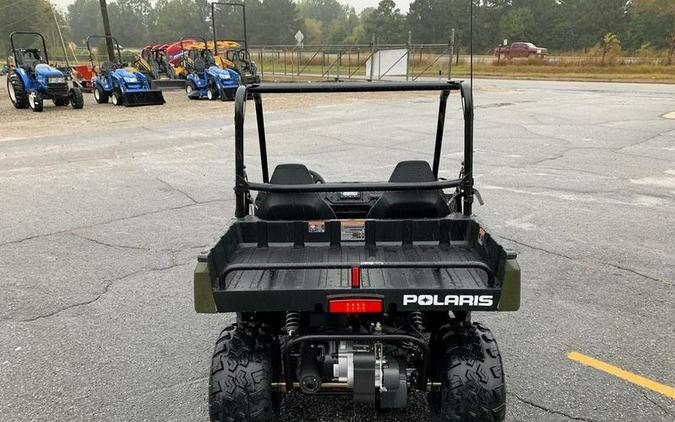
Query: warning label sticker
{"x": 353, "y": 230}
{"x": 317, "y": 226}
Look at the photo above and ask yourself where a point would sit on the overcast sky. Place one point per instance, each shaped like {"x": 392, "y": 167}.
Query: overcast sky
{"x": 358, "y": 4}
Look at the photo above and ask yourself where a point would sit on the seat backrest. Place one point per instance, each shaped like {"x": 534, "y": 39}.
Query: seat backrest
{"x": 292, "y": 206}
{"x": 411, "y": 204}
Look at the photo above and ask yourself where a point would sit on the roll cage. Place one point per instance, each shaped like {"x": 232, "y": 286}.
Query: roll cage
{"x": 243, "y": 187}
{"x": 117, "y": 47}
{"x": 28, "y": 57}
{"x": 203, "y": 53}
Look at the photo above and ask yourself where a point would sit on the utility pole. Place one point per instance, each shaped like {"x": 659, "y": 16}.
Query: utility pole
{"x": 106, "y": 29}
{"x": 58, "y": 28}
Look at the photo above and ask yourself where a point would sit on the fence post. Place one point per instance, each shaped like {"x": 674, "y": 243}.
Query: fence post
{"x": 451, "y": 47}
{"x": 262, "y": 62}
{"x": 299, "y": 59}
{"x": 457, "y": 56}
{"x": 372, "y": 58}
{"x": 407, "y": 54}
{"x": 337, "y": 70}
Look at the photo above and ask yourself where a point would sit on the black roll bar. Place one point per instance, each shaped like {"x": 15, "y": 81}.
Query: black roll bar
{"x": 243, "y": 186}
{"x": 44, "y": 43}
{"x": 213, "y": 22}
{"x": 358, "y": 186}
{"x": 105, "y": 37}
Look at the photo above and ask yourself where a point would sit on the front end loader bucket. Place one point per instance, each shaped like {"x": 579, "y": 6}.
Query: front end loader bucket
{"x": 143, "y": 98}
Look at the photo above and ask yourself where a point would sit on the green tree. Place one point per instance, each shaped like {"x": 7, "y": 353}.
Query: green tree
{"x": 171, "y": 20}
{"x": 84, "y": 18}
{"x": 336, "y": 32}
{"x": 272, "y": 21}
{"x": 653, "y": 21}
{"x": 387, "y": 23}
{"x": 517, "y": 24}
{"x": 313, "y": 31}
{"x": 129, "y": 21}
{"x": 27, "y": 15}
{"x": 610, "y": 43}
{"x": 325, "y": 11}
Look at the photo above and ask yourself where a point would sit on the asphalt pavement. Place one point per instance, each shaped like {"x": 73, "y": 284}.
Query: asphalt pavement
{"x": 100, "y": 230}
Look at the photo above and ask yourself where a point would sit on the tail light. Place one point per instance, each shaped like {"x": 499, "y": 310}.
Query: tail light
{"x": 355, "y": 306}
{"x": 356, "y": 277}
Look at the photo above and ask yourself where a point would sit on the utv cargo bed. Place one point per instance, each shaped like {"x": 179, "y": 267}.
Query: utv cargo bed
{"x": 448, "y": 264}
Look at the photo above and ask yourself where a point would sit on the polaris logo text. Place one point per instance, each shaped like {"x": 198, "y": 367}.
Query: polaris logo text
{"x": 448, "y": 300}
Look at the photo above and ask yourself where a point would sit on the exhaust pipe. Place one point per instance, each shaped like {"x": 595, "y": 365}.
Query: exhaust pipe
{"x": 309, "y": 375}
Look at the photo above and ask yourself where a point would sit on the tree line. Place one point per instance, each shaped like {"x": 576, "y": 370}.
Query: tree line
{"x": 560, "y": 25}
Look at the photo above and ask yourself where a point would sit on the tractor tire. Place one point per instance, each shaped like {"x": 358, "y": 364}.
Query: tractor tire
{"x": 35, "y": 101}
{"x": 211, "y": 93}
{"x": 76, "y": 98}
{"x": 117, "y": 98}
{"x": 472, "y": 380}
{"x": 240, "y": 388}
{"x": 100, "y": 96}
{"x": 17, "y": 92}
{"x": 61, "y": 102}
{"x": 190, "y": 89}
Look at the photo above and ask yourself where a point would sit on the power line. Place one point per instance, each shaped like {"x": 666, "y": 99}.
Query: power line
{"x": 26, "y": 17}
{"x": 11, "y": 4}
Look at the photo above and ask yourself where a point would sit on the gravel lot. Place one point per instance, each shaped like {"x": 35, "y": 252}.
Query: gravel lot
{"x": 104, "y": 211}
{"x": 94, "y": 118}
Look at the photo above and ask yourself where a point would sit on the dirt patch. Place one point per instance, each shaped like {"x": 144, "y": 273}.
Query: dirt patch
{"x": 62, "y": 120}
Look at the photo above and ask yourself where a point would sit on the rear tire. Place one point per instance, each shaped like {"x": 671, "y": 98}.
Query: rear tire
{"x": 472, "y": 380}
{"x": 76, "y": 98}
{"x": 240, "y": 387}
{"x": 17, "y": 92}
{"x": 100, "y": 96}
{"x": 35, "y": 101}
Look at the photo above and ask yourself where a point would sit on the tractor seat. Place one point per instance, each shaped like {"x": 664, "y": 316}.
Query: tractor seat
{"x": 199, "y": 65}
{"x": 410, "y": 204}
{"x": 107, "y": 67}
{"x": 292, "y": 206}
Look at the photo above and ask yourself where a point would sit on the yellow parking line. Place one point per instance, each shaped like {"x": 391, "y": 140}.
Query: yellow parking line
{"x": 666, "y": 390}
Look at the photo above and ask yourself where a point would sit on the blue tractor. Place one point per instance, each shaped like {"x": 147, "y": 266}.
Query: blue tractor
{"x": 32, "y": 80}
{"x": 205, "y": 78}
{"x": 122, "y": 84}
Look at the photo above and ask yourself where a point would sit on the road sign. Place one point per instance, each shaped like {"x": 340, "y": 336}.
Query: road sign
{"x": 299, "y": 36}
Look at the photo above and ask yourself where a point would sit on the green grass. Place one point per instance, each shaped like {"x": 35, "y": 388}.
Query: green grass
{"x": 625, "y": 73}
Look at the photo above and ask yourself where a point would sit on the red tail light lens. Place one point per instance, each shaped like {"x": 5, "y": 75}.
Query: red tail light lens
{"x": 356, "y": 277}
{"x": 355, "y": 306}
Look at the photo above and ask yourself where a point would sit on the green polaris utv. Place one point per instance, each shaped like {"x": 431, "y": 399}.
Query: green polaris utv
{"x": 359, "y": 288}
